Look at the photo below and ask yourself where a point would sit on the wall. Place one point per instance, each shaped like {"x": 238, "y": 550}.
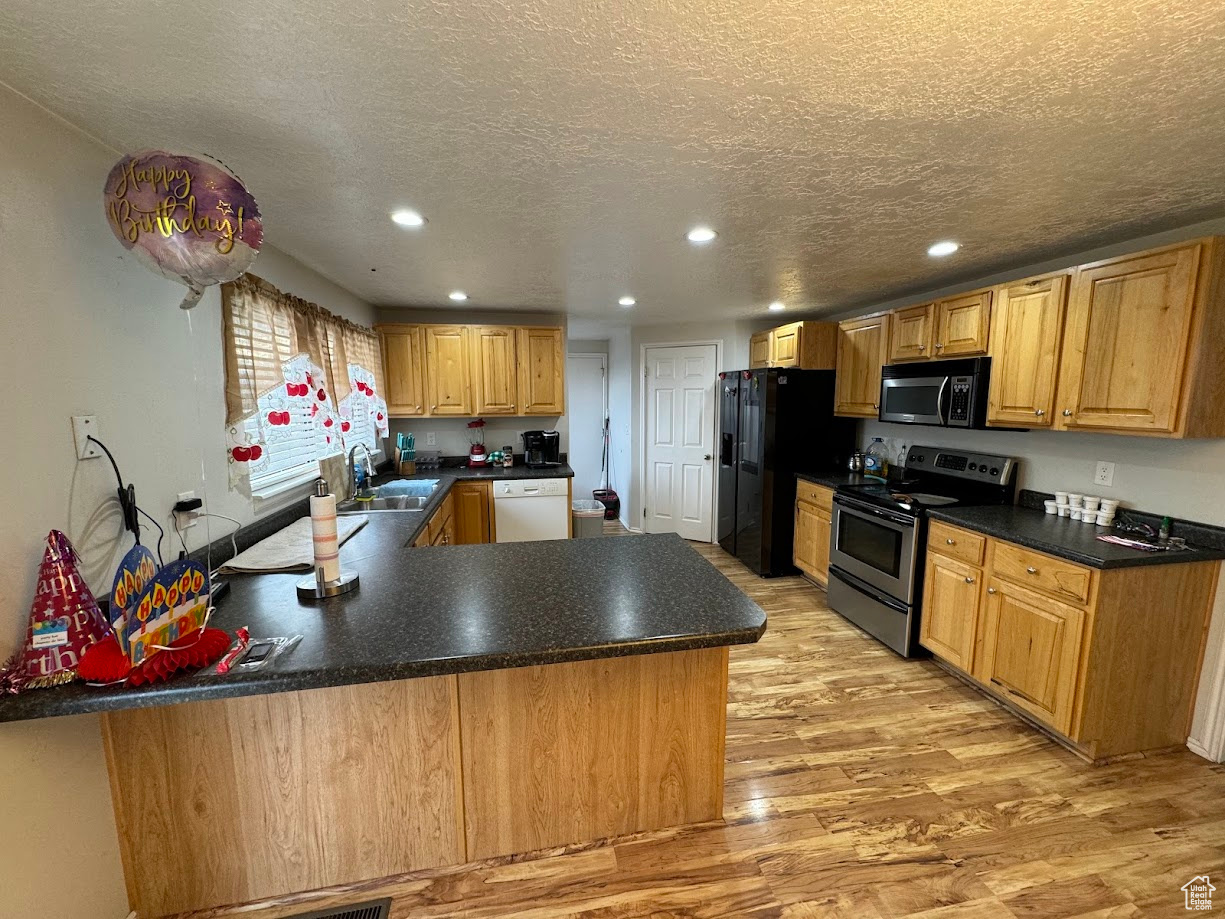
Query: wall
{"x": 451, "y": 434}
{"x": 86, "y": 329}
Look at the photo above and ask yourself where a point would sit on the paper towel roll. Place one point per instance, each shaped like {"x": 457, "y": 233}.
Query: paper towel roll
{"x": 323, "y": 533}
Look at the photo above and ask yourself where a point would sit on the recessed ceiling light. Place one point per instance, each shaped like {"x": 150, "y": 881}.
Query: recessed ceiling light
{"x": 407, "y": 218}
{"x": 701, "y": 235}
{"x": 777, "y": 306}
{"x": 938, "y": 250}
{"x": 457, "y": 295}
{"x": 627, "y": 301}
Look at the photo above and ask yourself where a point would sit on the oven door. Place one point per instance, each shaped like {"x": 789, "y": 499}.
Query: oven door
{"x": 876, "y": 545}
{"x": 914, "y": 400}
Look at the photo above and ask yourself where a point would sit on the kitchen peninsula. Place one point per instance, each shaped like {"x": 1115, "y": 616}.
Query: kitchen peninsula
{"x": 466, "y": 702}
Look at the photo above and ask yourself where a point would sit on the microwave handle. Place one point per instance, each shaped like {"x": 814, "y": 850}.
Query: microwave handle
{"x": 944, "y": 419}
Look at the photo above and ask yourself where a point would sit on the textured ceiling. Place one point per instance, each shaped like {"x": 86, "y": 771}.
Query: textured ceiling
{"x": 561, "y": 148}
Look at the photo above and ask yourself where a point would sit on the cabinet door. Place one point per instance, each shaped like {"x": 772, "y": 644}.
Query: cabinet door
{"x": 811, "y": 554}
{"x": 785, "y": 342}
{"x": 910, "y": 333}
{"x": 759, "y": 351}
{"x": 542, "y": 364}
{"x": 494, "y": 375}
{"x": 1126, "y": 340}
{"x": 403, "y": 370}
{"x": 962, "y": 324}
{"x": 447, "y": 364}
{"x": 820, "y": 546}
{"x": 1026, "y": 330}
{"x": 472, "y": 512}
{"x": 1031, "y": 653}
{"x": 949, "y": 623}
{"x": 863, "y": 345}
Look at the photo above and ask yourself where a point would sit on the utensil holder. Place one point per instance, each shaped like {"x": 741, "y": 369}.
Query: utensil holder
{"x": 406, "y": 467}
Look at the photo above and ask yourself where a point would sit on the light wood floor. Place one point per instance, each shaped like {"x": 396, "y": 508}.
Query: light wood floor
{"x": 864, "y": 786}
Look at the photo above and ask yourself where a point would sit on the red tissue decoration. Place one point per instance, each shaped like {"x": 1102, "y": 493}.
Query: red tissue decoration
{"x": 105, "y": 662}
{"x": 64, "y": 622}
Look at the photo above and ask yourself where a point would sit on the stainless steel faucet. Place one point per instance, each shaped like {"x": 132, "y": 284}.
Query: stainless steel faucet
{"x": 353, "y": 468}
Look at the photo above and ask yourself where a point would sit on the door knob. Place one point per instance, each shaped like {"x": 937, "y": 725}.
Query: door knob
{"x": 707, "y": 456}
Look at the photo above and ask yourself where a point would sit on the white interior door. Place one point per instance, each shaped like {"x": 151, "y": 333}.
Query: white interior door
{"x": 680, "y": 440}
{"x": 587, "y": 407}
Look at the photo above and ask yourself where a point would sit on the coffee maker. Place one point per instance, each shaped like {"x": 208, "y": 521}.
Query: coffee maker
{"x": 541, "y": 448}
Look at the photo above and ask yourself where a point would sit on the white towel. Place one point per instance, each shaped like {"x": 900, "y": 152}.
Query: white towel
{"x": 290, "y": 549}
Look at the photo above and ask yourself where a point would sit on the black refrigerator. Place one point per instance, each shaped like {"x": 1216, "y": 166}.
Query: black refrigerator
{"x": 773, "y": 423}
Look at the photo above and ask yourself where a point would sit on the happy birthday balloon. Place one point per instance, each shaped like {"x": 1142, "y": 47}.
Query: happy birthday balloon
{"x": 186, "y": 218}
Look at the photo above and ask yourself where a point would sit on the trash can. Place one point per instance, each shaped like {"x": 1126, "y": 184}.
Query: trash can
{"x": 588, "y": 518}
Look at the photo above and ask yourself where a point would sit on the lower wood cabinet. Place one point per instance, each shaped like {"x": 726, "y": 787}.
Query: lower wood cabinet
{"x": 473, "y": 512}
{"x": 440, "y": 531}
{"x": 1106, "y": 659}
{"x": 812, "y": 530}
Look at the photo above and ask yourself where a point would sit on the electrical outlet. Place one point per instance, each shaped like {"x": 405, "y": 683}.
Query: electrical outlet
{"x": 431, "y": 439}
{"x": 187, "y": 519}
{"x": 82, "y": 427}
{"x": 1104, "y": 474}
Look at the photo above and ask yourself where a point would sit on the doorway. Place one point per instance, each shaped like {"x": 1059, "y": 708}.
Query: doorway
{"x": 587, "y": 395}
{"x": 679, "y": 439}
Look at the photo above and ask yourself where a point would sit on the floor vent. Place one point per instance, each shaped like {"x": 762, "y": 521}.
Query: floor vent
{"x": 374, "y": 909}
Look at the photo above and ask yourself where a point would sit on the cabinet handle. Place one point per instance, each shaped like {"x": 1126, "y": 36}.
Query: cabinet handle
{"x": 876, "y": 405}
{"x": 433, "y": 408}
{"x": 1039, "y": 412}
{"x": 1067, "y": 413}
{"x": 1031, "y": 570}
{"x": 951, "y": 542}
{"x": 939, "y": 346}
{"x": 990, "y": 590}
{"x": 969, "y": 580}
{"x": 922, "y": 347}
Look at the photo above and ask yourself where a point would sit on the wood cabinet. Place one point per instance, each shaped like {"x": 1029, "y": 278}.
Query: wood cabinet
{"x": 441, "y": 528}
{"x": 494, "y": 373}
{"x": 473, "y": 512}
{"x": 910, "y": 333}
{"x": 949, "y": 626}
{"x": 1106, "y": 659}
{"x": 863, "y": 348}
{"x": 1031, "y": 651}
{"x": 465, "y": 371}
{"x": 803, "y": 345}
{"x": 403, "y": 369}
{"x": 448, "y": 383}
{"x": 961, "y": 325}
{"x": 759, "y": 350}
{"x": 542, "y": 371}
{"x": 1026, "y": 334}
{"x": 812, "y": 530}
{"x": 1141, "y": 344}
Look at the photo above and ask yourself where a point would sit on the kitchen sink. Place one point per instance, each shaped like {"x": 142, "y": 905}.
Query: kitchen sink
{"x": 398, "y": 503}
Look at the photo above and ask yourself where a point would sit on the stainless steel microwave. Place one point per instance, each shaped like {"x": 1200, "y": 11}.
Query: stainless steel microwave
{"x": 949, "y": 394}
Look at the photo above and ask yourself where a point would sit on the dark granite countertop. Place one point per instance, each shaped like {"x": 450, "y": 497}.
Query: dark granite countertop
{"x": 454, "y": 609}
{"x": 837, "y": 478}
{"x": 1063, "y": 537}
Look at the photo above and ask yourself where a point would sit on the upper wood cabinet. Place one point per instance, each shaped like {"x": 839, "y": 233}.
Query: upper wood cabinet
{"x": 1026, "y": 331}
{"x": 910, "y": 333}
{"x": 863, "y": 348}
{"x": 403, "y": 369}
{"x": 961, "y": 325}
{"x": 1141, "y": 345}
{"x": 448, "y": 379}
{"x": 542, "y": 372}
{"x": 465, "y": 371}
{"x": 759, "y": 350}
{"x": 494, "y": 374}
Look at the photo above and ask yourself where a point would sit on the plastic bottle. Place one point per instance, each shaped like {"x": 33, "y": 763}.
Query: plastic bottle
{"x": 876, "y": 459}
{"x": 901, "y": 459}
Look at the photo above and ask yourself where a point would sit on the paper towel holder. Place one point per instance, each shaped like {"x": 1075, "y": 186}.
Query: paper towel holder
{"x": 315, "y": 587}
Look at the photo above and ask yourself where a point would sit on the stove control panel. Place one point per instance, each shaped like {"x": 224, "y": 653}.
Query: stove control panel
{"x": 979, "y": 467}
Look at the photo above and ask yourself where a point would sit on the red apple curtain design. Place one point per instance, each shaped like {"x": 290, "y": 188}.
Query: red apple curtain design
{"x": 302, "y": 384}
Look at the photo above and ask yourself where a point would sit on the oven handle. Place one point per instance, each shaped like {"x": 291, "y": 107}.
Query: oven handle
{"x": 854, "y": 505}
{"x": 944, "y": 418}
{"x": 864, "y": 587}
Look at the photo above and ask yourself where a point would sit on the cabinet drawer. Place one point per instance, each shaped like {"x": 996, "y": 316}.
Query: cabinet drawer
{"x": 956, "y": 542}
{"x": 1041, "y": 572}
{"x": 820, "y": 495}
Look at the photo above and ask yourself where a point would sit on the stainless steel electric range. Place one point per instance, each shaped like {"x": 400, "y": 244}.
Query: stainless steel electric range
{"x": 879, "y": 536}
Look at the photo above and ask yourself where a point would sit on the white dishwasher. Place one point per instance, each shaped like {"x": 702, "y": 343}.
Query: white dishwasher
{"x": 531, "y": 509}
